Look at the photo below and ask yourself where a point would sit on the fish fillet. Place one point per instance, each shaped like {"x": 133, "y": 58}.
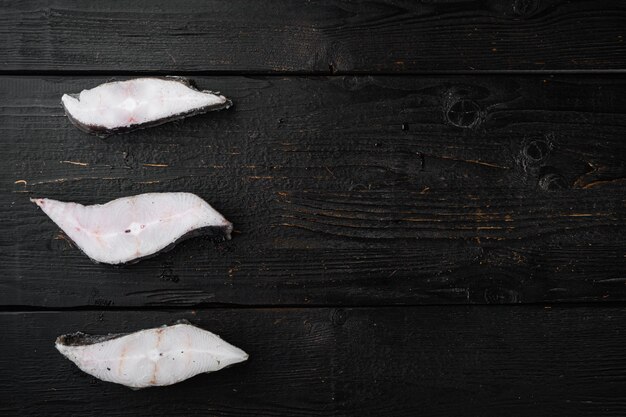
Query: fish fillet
{"x": 153, "y": 357}
{"x": 122, "y": 106}
{"x": 131, "y": 228}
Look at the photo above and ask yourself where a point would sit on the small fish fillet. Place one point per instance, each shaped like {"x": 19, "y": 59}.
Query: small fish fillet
{"x": 122, "y": 106}
{"x": 154, "y": 357}
{"x": 131, "y": 228}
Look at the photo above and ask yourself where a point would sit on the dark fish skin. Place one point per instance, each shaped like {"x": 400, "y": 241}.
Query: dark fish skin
{"x": 210, "y": 223}
{"x": 217, "y": 232}
{"x": 104, "y": 132}
{"x": 85, "y": 339}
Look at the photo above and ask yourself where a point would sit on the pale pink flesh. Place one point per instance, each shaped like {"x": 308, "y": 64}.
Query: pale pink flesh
{"x": 138, "y": 101}
{"x": 154, "y": 357}
{"x": 130, "y": 228}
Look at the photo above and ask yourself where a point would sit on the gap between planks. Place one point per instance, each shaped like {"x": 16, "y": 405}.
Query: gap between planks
{"x": 239, "y": 73}
{"x": 221, "y": 306}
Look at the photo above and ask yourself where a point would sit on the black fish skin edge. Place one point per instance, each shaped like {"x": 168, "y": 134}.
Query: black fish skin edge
{"x": 215, "y": 231}
{"x": 85, "y": 339}
{"x": 225, "y": 232}
{"x": 104, "y": 132}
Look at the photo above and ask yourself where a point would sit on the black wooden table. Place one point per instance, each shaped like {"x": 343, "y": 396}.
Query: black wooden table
{"x": 428, "y": 198}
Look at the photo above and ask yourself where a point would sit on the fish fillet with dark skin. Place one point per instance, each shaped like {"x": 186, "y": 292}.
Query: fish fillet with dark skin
{"x": 132, "y": 228}
{"x": 123, "y": 106}
{"x": 148, "y": 358}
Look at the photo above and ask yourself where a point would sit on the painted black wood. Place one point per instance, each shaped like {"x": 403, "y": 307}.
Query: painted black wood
{"x": 326, "y": 36}
{"x": 343, "y": 190}
{"x": 431, "y": 361}
{"x": 348, "y": 192}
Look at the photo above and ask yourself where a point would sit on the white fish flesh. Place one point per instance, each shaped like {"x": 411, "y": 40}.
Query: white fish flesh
{"x": 122, "y": 106}
{"x": 148, "y": 358}
{"x": 131, "y": 228}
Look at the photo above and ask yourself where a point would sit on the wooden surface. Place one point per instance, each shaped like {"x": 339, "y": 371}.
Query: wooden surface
{"x": 391, "y": 168}
{"x": 333, "y": 200}
{"x": 322, "y": 36}
{"x": 435, "y": 361}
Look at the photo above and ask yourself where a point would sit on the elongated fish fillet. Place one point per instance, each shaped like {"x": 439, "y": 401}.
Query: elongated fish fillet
{"x": 131, "y": 228}
{"x": 148, "y": 358}
{"x": 122, "y": 106}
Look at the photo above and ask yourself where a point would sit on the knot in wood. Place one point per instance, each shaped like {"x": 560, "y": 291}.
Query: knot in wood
{"x": 525, "y": 8}
{"x": 536, "y": 151}
{"x": 339, "y": 316}
{"x": 463, "y": 113}
{"x": 552, "y": 182}
{"x": 499, "y": 295}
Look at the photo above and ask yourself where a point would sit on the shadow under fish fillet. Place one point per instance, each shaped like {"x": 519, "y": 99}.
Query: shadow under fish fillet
{"x": 122, "y": 106}
{"x": 148, "y": 358}
{"x": 131, "y": 228}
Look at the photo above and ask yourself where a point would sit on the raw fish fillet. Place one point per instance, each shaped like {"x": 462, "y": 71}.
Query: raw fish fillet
{"x": 122, "y": 106}
{"x": 148, "y": 358}
{"x": 131, "y": 228}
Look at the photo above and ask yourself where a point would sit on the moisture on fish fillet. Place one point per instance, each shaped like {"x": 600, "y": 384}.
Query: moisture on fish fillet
{"x": 122, "y": 106}
{"x": 131, "y": 228}
{"x": 148, "y": 358}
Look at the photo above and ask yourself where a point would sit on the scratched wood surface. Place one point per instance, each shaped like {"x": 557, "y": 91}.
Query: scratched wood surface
{"x": 433, "y": 361}
{"x": 343, "y": 190}
{"x": 390, "y": 166}
{"x": 323, "y": 36}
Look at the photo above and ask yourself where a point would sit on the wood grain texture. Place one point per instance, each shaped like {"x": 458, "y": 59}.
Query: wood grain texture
{"x": 342, "y": 190}
{"x": 403, "y": 361}
{"x": 363, "y": 189}
{"x": 325, "y": 36}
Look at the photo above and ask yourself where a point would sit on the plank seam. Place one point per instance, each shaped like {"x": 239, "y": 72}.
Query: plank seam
{"x": 86, "y": 73}
{"x": 546, "y": 305}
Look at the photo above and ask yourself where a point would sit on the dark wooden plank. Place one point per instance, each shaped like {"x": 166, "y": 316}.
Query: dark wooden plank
{"x": 313, "y": 36}
{"x": 343, "y": 190}
{"x": 431, "y": 361}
